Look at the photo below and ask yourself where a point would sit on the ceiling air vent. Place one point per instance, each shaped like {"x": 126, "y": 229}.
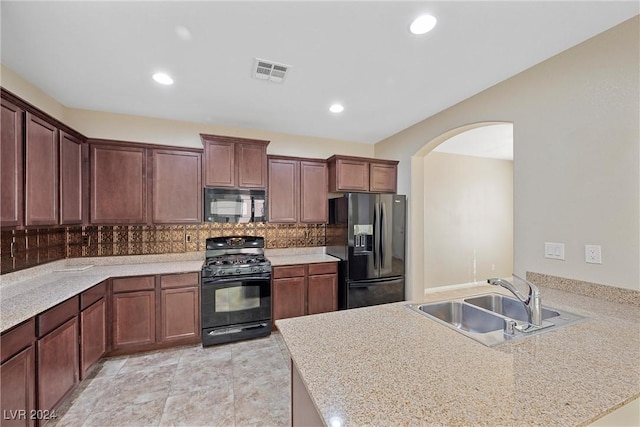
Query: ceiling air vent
{"x": 269, "y": 70}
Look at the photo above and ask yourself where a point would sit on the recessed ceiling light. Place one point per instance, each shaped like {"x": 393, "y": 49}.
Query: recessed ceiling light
{"x": 336, "y": 108}
{"x": 423, "y": 24}
{"x": 163, "y": 78}
{"x": 183, "y": 32}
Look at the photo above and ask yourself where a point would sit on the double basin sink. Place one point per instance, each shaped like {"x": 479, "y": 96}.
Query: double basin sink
{"x": 492, "y": 318}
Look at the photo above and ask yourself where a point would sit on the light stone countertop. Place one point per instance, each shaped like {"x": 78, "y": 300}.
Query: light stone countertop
{"x": 387, "y": 365}
{"x": 53, "y": 283}
{"x": 293, "y": 256}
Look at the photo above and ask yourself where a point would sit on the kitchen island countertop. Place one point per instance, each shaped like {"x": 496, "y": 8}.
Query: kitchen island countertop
{"x": 388, "y": 365}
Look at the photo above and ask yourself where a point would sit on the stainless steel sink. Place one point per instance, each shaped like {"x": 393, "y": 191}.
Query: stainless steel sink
{"x": 509, "y": 307}
{"x": 492, "y": 318}
{"x": 464, "y": 316}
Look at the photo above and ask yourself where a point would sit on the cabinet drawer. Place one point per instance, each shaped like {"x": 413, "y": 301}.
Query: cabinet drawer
{"x": 179, "y": 280}
{"x": 323, "y": 268}
{"x": 128, "y": 284}
{"x": 289, "y": 271}
{"x": 56, "y": 316}
{"x": 17, "y": 338}
{"x": 92, "y": 295}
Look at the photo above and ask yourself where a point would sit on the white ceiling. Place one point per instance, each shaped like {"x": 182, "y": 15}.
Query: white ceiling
{"x": 493, "y": 142}
{"x": 101, "y": 55}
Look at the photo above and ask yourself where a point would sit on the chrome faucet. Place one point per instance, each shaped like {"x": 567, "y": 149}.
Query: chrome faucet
{"x": 532, "y": 302}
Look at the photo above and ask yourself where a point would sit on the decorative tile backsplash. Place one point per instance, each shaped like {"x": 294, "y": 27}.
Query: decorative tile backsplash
{"x": 37, "y": 246}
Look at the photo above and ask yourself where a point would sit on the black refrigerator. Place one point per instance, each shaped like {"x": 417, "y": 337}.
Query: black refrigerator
{"x": 367, "y": 232}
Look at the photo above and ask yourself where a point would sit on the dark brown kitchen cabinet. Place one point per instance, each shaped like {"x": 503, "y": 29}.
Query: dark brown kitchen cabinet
{"x": 118, "y": 184}
{"x": 180, "y": 306}
{"x": 71, "y": 200}
{"x": 304, "y": 289}
{"x": 134, "y": 312}
{"x": 41, "y": 172}
{"x": 58, "y": 360}
{"x": 17, "y": 375}
{"x": 314, "y": 192}
{"x": 11, "y": 164}
{"x": 289, "y": 291}
{"x": 284, "y": 189}
{"x": 322, "y": 288}
{"x": 362, "y": 174}
{"x": 234, "y": 162}
{"x": 93, "y": 327}
{"x": 297, "y": 190}
{"x": 383, "y": 177}
{"x": 177, "y": 186}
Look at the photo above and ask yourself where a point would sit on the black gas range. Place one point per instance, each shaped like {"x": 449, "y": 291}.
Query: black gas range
{"x": 236, "y": 290}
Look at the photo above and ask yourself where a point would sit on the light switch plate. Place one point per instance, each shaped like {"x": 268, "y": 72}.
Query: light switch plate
{"x": 554, "y": 250}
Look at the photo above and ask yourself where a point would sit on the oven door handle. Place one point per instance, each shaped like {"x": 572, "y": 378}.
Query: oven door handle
{"x": 214, "y": 281}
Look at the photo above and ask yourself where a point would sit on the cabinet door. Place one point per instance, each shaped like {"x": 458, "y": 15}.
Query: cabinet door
{"x": 219, "y": 163}
{"x": 313, "y": 192}
{"x": 41, "y": 172}
{"x": 284, "y": 178}
{"x": 180, "y": 310}
{"x": 289, "y": 297}
{"x": 58, "y": 364}
{"x": 252, "y": 165}
{"x": 18, "y": 388}
{"x": 11, "y": 165}
{"x": 134, "y": 319}
{"x": 70, "y": 179}
{"x": 118, "y": 185}
{"x": 352, "y": 175}
{"x": 322, "y": 293}
{"x": 383, "y": 178}
{"x": 177, "y": 187}
{"x": 93, "y": 335}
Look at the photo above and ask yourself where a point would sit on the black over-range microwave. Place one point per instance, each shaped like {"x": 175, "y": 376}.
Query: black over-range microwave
{"x": 231, "y": 205}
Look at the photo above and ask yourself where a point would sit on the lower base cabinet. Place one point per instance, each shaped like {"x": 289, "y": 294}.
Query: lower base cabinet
{"x": 180, "y": 307}
{"x": 134, "y": 319}
{"x": 93, "y": 335}
{"x": 58, "y": 364}
{"x": 18, "y": 389}
{"x": 151, "y": 312}
{"x": 304, "y": 289}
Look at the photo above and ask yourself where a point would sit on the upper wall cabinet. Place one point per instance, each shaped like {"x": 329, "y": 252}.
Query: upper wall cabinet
{"x": 177, "y": 186}
{"x": 362, "y": 174}
{"x": 134, "y": 183}
{"x": 234, "y": 162}
{"x": 41, "y": 172}
{"x": 11, "y": 165}
{"x": 297, "y": 190}
{"x": 71, "y": 182}
{"x": 118, "y": 184}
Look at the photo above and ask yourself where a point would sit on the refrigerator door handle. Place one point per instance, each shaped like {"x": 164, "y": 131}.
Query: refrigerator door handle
{"x": 383, "y": 231}
{"x": 376, "y": 236}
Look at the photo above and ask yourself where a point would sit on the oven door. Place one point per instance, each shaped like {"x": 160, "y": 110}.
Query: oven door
{"x": 235, "y": 300}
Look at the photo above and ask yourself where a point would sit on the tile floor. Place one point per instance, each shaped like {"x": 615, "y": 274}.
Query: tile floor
{"x": 239, "y": 384}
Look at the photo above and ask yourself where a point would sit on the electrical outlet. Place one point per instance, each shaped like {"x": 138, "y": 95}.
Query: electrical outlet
{"x": 188, "y": 238}
{"x": 86, "y": 240}
{"x": 593, "y": 254}
{"x": 554, "y": 250}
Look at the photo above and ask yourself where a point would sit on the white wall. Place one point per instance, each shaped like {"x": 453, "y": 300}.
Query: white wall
{"x": 97, "y": 124}
{"x": 576, "y": 159}
{"x": 468, "y": 219}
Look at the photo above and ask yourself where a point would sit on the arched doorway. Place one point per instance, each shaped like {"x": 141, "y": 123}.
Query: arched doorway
{"x": 451, "y": 239}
